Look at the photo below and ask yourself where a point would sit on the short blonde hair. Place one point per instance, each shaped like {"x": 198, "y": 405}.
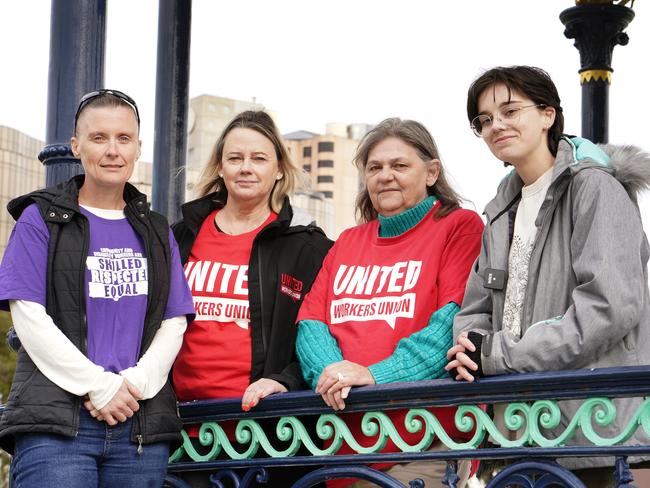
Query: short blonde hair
{"x": 261, "y": 122}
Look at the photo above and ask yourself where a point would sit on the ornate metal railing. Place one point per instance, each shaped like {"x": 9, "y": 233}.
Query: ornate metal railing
{"x": 532, "y": 437}
{"x": 530, "y": 411}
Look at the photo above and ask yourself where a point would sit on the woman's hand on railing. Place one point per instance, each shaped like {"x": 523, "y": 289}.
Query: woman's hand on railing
{"x": 258, "y": 390}
{"x": 459, "y": 360}
{"x": 336, "y": 380}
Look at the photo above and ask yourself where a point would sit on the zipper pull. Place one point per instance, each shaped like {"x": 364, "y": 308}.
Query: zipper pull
{"x": 140, "y": 448}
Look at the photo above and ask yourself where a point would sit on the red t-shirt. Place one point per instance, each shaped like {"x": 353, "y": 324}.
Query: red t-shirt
{"x": 215, "y": 358}
{"x": 374, "y": 291}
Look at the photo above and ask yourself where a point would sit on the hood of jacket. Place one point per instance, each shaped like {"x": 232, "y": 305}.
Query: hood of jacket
{"x": 628, "y": 164}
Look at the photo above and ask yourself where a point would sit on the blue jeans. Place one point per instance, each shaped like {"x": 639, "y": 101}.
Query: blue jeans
{"x": 99, "y": 456}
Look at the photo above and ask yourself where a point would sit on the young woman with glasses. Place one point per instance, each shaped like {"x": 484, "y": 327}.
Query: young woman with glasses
{"x": 561, "y": 282}
{"x": 99, "y": 301}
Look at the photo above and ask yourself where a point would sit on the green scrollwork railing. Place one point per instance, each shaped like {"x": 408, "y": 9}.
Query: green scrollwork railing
{"x": 529, "y": 424}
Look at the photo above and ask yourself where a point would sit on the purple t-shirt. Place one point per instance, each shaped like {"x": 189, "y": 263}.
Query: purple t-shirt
{"x": 116, "y": 283}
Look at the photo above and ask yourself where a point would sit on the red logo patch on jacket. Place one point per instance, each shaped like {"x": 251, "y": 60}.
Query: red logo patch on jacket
{"x": 290, "y": 286}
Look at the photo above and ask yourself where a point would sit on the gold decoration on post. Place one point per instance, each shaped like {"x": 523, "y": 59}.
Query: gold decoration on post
{"x": 595, "y": 75}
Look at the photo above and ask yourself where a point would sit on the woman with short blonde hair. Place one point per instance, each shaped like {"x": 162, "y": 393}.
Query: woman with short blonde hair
{"x": 249, "y": 259}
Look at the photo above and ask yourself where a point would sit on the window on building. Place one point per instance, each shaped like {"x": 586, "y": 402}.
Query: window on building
{"x": 325, "y": 163}
{"x": 326, "y": 146}
{"x": 328, "y": 194}
{"x": 306, "y": 152}
{"x": 307, "y": 167}
{"x": 325, "y": 179}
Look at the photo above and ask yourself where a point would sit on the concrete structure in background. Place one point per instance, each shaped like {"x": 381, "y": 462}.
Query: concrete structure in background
{"x": 326, "y": 160}
{"x": 20, "y": 173}
{"x": 320, "y": 208}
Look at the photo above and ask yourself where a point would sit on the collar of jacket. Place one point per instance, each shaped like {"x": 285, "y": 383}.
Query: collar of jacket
{"x": 196, "y": 211}
{"x": 574, "y": 155}
{"x": 64, "y": 201}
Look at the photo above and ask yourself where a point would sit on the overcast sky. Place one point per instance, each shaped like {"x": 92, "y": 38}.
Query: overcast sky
{"x": 319, "y": 61}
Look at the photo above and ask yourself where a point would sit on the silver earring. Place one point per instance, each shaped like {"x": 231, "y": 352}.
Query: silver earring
{"x": 279, "y": 177}
{"x": 220, "y": 175}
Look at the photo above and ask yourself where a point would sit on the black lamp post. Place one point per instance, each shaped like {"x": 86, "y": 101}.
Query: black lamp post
{"x": 596, "y": 26}
{"x": 77, "y": 38}
{"x": 172, "y": 94}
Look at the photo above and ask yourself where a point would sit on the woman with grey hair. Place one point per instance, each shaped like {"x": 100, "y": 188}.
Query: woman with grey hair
{"x": 382, "y": 306}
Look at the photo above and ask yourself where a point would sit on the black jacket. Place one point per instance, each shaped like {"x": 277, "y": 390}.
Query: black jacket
{"x": 36, "y": 404}
{"x": 285, "y": 259}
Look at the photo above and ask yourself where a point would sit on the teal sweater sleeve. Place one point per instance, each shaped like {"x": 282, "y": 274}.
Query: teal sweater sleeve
{"x": 423, "y": 354}
{"x": 316, "y": 349}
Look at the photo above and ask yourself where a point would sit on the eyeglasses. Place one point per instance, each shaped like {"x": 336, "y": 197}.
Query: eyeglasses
{"x": 508, "y": 115}
{"x": 88, "y": 97}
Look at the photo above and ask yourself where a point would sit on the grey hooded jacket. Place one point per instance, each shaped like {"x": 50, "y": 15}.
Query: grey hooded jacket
{"x": 587, "y": 303}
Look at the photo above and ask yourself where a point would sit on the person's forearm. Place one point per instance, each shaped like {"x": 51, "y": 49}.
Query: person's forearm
{"x": 422, "y": 355}
{"x": 152, "y": 370}
{"x": 316, "y": 349}
{"x": 57, "y": 357}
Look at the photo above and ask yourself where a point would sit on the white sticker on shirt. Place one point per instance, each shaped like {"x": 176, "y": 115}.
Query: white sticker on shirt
{"x": 219, "y": 278}
{"x": 371, "y": 281}
{"x": 220, "y": 309}
{"x": 117, "y": 273}
{"x": 387, "y": 309}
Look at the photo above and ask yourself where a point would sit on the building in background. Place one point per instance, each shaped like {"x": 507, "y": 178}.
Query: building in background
{"x": 20, "y": 173}
{"x": 319, "y": 207}
{"x": 326, "y": 160}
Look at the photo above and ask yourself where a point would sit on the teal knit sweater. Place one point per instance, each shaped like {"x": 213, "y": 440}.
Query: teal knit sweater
{"x": 420, "y": 356}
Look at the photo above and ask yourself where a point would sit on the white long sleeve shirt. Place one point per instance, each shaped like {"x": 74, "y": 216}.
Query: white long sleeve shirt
{"x": 67, "y": 367}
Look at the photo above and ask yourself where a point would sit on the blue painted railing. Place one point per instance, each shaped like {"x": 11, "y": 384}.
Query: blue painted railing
{"x": 532, "y": 454}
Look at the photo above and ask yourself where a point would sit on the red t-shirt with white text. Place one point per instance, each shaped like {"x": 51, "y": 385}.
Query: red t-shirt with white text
{"x": 374, "y": 291}
{"x": 215, "y": 358}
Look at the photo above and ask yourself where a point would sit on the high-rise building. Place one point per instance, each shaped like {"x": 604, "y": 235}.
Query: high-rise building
{"x": 319, "y": 207}
{"x": 327, "y": 161}
{"x": 20, "y": 173}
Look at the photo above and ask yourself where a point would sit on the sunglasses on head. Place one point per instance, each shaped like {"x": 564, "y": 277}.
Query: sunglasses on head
{"x": 88, "y": 97}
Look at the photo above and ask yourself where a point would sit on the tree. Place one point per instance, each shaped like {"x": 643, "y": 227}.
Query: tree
{"x": 7, "y": 367}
